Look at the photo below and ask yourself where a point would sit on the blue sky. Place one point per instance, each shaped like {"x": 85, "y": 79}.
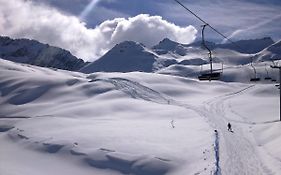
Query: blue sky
{"x": 89, "y": 28}
{"x": 226, "y": 15}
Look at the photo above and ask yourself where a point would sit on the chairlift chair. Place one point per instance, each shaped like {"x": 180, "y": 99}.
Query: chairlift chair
{"x": 274, "y": 64}
{"x": 210, "y": 75}
{"x": 255, "y": 79}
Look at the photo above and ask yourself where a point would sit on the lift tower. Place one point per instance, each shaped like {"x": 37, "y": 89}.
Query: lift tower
{"x": 278, "y": 67}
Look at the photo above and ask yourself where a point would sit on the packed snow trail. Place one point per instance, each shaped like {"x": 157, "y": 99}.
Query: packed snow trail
{"x": 237, "y": 154}
{"x": 217, "y": 153}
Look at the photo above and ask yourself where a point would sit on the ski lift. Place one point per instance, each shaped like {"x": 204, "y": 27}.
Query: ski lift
{"x": 255, "y": 79}
{"x": 210, "y": 75}
{"x": 274, "y": 64}
{"x": 267, "y": 76}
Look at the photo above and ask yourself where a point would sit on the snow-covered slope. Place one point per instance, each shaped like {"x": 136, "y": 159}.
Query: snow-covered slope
{"x": 230, "y": 73}
{"x": 36, "y": 53}
{"x": 166, "y": 45}
{"x": 195, "y": 54}
{"x": 128, "y": 56}
{"x": 60, "y": 122}
{"x": 272, "y": 52}
{"x": 195, "y": 61}
{"x": 245, "y": 46}
{"x": 112, "y": 123}
{"x": 248, "y": 46}
{"x": 172, "y": 58}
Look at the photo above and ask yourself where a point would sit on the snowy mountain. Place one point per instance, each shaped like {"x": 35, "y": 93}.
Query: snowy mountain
{"x": 60, "y": 122}
{"x": 272, "y": 52}
{"x": 195, "y": 61}
{"x": 248, "y": 46}
{"x": 128, "y": 56}
{"x": 195, "y": 54}
{"x": 166, "y": 45}
{"x": 131, "y": 56}
{"x": 36, "y": 53}
{"x": 245, "y": 46}
{"x": 141, "y": 111}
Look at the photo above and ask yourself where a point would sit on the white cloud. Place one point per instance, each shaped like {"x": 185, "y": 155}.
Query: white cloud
{"x": 23, "y": 18}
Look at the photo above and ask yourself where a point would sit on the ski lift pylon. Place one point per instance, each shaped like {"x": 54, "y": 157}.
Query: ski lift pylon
{"x": 267, "y": 76}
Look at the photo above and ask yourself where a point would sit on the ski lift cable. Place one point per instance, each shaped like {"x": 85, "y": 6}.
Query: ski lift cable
{"x": 214, "y": 29}
{"x": 218, "y": 32}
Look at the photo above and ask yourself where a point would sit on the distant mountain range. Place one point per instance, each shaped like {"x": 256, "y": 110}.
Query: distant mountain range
{"x": 35, "y": 53}
{"x": 272, "y": 52}
{"x": 131, "y": 56}
{"x": 248, "y": 46}
{"x": 243, "y": 46}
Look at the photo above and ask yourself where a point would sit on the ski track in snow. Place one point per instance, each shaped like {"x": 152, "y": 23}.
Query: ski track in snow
{"x": 237, "y": 155}
{"x": 234, "y": 153}
{"x": 138, "y": 91}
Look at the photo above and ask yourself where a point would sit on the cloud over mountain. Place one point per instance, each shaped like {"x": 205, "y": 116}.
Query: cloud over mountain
{"x": 21, "y": 18}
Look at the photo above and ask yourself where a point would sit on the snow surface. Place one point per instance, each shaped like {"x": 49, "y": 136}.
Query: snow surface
{"x": 60, "y": 122}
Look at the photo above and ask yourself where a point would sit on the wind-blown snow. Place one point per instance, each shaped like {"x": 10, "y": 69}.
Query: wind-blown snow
{"x": 60, "y": 122}
{"x": 107, "y": 121}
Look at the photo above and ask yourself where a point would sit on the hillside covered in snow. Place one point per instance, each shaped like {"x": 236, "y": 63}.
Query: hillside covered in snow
{"x": 139, "y": 111}
{"x": 36, "y": 53}
{"x": 60, "y": 122}
{"x": 170, "y": 57}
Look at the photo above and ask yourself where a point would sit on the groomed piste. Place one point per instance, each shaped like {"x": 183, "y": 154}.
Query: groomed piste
{"x": 61, "y": 122}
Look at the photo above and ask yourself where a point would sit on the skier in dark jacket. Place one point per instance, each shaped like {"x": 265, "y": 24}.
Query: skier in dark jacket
{"x": 229, "y": 127}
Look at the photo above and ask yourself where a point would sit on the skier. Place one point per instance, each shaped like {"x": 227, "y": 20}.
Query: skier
{"x": 172, "y": 123}
{"x": 229, "y": 127}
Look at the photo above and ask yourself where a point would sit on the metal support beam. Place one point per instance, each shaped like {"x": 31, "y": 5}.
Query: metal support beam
{"x": 279, "y": 67}
{"x": 209, "y": 50}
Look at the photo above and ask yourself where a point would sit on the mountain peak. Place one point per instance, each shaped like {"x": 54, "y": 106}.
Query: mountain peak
{"x": 166, "y": 43}
{"x": 165, "y": 40}
{"x": 124, "y": 57}
{"x": 129, "y": 46}
{"x": 268, "y": 38}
